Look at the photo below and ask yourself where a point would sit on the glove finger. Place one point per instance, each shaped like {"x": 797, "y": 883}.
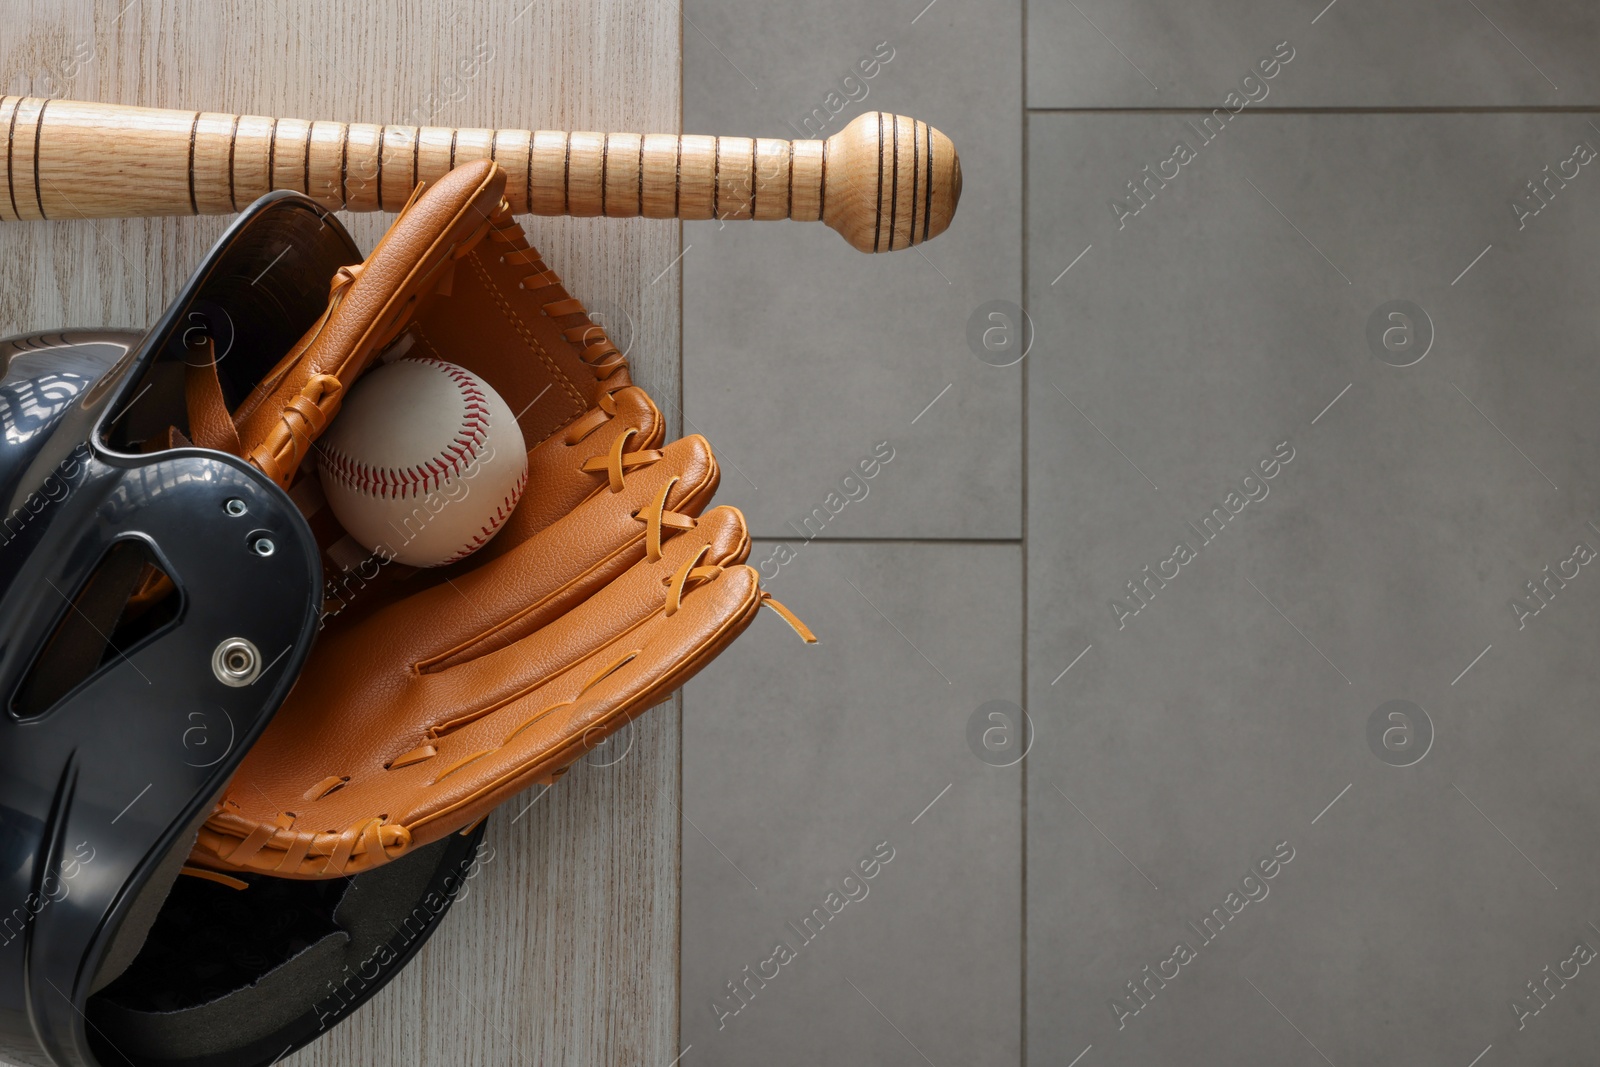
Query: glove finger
{"x": 505, "y": 671}
{"x": 578, "y": 679}
{"x": 556, "y": 724}
{"x": 322, "y": 800}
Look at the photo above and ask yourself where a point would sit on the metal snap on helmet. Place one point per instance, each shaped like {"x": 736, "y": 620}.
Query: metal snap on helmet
{"x": 157, "y": 601}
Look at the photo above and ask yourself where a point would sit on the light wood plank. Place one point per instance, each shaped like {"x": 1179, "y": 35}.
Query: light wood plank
{"x": 565, "y": 949}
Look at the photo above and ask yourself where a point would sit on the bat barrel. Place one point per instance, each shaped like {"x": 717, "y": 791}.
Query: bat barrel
{"x": 884, "y": 181}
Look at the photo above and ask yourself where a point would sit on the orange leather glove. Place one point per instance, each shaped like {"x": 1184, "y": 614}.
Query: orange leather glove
{"x": 433, "y": 695}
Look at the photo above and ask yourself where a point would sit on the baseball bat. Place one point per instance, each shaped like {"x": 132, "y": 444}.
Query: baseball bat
{"x": 884, "y": 181}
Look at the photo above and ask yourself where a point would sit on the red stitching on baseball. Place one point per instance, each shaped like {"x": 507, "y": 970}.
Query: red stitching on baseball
{"x": 402, "y": 482}
{"x": 501, "y": 514}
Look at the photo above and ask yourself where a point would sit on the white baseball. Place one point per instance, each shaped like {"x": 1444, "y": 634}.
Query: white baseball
{"x": 423, "y": 463}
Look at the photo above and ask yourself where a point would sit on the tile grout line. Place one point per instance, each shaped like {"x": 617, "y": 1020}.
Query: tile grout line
{"x": 677, "y": 983}
{"x": 1200, "y": 109}
{"x": 892, "y": 540}
{"x": 1022, "y": 566}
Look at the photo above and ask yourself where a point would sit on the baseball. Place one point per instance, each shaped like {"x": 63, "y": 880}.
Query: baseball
{"x": 424, "y": 462}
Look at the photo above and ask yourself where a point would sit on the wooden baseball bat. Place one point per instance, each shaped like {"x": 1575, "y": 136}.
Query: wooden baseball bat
{"x": 884, "y": 181}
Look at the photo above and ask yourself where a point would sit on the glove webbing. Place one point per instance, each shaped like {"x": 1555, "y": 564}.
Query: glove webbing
{"x": 597, "y": 351}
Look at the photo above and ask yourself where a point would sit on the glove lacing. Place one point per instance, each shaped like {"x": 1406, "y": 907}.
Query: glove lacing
{"x": 693, "y": 571}
{"x": 595, "y": 348}
{"x": 656, "y": 517}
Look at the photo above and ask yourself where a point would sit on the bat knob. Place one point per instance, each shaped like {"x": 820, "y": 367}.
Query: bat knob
{"x": 889, "y": 182}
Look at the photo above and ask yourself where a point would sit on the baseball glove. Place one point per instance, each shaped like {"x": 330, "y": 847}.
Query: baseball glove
{"x": 433, "y": 695}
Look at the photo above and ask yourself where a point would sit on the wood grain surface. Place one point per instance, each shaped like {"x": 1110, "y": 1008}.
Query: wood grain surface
{"x": 564, "y": 949}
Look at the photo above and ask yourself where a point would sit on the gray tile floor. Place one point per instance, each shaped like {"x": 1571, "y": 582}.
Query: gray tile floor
{"x": 1252, "y": 529}
{"x": 800, "y": 763}
{"x": 1419, "y": 53}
